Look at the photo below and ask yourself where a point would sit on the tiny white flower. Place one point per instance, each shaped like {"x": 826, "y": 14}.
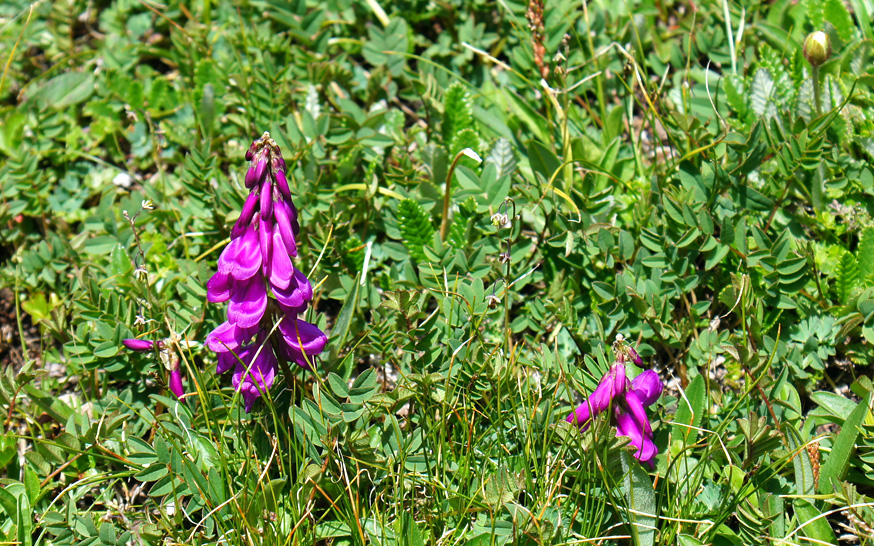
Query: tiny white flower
{"x": 123, "y": 180}
{"x": 147, "y": 204}
{"x": 500, "y": 220}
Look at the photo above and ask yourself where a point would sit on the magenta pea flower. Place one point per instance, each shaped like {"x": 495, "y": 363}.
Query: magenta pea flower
{"x": 146, "y": 345}
{"x": 628, "y": 400}
{"x": 258, "y": 279}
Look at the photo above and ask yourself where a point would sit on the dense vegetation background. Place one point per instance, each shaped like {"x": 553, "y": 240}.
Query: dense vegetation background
{"x": 657, "y": 169}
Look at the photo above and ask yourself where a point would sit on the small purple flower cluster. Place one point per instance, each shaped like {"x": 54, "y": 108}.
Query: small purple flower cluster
{"x": 629, "y": 400}
{"x": 255, "y": 264}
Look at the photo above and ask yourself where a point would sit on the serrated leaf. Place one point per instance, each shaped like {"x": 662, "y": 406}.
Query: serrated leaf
{"x": 865, "y": 257}
{"x": 466, "y": 139}
{"x": 415, "y": 227}
{"x": 814, "y": 12}
{"x": 457, "y": 113}
{"x": 846, "y": 276}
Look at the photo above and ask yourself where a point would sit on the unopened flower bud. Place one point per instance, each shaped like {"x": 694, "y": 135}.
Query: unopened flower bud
{"x": 817, "y": 48}
{"x": 141, "y": 345}
{"x": 176, "y": 383}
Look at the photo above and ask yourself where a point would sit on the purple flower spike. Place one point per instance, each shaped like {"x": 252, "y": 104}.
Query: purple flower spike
{"x": 140, "y": 345}
{"x": 629, "y": 400}
{"x": 258, "y": 279}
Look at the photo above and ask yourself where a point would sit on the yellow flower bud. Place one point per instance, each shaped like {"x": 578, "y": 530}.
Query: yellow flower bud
{"x": 817, "y": 48}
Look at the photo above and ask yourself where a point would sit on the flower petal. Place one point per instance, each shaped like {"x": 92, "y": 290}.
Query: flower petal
{"x": 228, "y": 337}
{"x": 218, "y": 288}
{"x": 636, "y": 426}
{"x": 612, "y": 386}
{"x": 298, "y": 292}
{"x": 227, "y": 361}
{"x": 265, "y": 237}
{"x": 282, "y": 182}
{"x": 648, "y": 387}
{"x": 256, "y": 376}
{"x": 241, "y": 258}
{"x": 266, "y": 199}
{"x": 281, "y": 269}
{"x": 581, "y": 415}
{"x": 248, "y": 303}
{"x": 635, "y": 407}
{"x": 285, "y": 227}
{"x": 301, "y": 338}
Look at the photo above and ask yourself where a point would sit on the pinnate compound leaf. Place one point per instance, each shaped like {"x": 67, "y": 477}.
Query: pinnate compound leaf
{"x": 865, "y": 257}
{"x": 846, "y": 276}
{"x": 416, "y": 228}
{"x": 457, "y": 112}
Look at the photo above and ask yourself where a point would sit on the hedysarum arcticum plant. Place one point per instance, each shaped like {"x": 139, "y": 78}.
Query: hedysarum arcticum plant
{"x": 628, "y": 400}
{"x": 254, "y": 266}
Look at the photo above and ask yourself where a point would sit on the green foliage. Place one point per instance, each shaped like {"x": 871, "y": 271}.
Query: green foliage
{"x": 724, "y": 228}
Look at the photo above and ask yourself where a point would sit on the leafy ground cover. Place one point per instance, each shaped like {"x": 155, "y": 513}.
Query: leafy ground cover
{"x": 497, "y": 202}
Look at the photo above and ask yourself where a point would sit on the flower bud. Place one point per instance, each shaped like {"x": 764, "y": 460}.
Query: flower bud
{"x": 176, "y": 383}
{"x": 141, "y": 345}
{"x": 817, "y": 48}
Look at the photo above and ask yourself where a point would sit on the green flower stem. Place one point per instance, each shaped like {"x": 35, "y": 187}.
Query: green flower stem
{"x": 447, "y": 195}
{"x": 817, "y": 91}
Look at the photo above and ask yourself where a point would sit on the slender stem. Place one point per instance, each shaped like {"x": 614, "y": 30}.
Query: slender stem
{"x": 447, "y": 195}
{"x": 817, "y": 92}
